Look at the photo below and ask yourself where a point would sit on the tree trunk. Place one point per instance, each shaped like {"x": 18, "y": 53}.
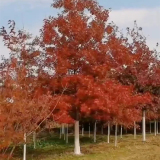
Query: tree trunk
{"x": 111, "y": 128}
{"x": 11, "y": 153}
{"x": 108, "y": 132}
{"x": 24, "y": 146}
{"x": 121, "y": 131}
{"x": 76, "y": 139}
{"x": 34, "y": 139}
{"x": 135, "y": 130}
{"x": 95, "y": 130}
{"x": 126, "y": 130}
{"x": 144, "y": 125}
{"x": 67, "y": 134}
{"x": 82, "y": 130}
{"x": 155, "y": 126}
{"x": 89, "y": 130}
{"x": 60, "y": 135}
{"x": 64, "y": 133}
{"x": 62, "y": 128}
{"x": 150, "y": 129}
{"x": 116, "y": 128}
{"x": 102, "y": 129}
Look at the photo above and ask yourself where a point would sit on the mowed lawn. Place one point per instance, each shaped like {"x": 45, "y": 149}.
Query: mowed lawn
{"x": 53, "y": 148}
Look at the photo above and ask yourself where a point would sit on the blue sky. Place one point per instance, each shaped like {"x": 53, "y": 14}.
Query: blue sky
{"x": 29, "y": 14}
{"x": 31, "y": 11}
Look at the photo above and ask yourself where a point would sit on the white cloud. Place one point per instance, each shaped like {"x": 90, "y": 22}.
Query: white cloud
{"x": 148, "y": 19}
{"x": 32, "y": 3}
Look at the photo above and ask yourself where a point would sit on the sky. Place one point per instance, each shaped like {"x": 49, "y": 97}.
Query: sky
{"x": 29, "y": 14}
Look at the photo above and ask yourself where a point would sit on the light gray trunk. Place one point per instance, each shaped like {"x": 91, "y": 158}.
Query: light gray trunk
{"x": 121, "y": 131}
{"x": 102, "y": 129}
{"x": 144, "y": 125}
{"x": 67, "y": 134}
{"x": 155, "y": 126}
{"x": 89, "y": 130}
{"x": 76, "y": 139}
{"x": 135, "y": 132}
{"x": 126, "y": 130}
{"x": 82, "y": 130}
{"x": 116, "y": 129}
{"x": 150, "y": 129}
{"x": 60, "y": 133}
{"x": 108, "y": 132}
{"x": 34, "y": 139}
{"x": 24, "y": 146}
{"x": 62, "y": 128}
{"x": 64, "y": 134}
{"x": 95, "y": 130}
{"x": 111, "y": 128}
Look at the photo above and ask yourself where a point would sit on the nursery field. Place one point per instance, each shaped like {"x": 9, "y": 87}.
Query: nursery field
{"x": 53, "y": 148}
{"x": 80, "y": 75}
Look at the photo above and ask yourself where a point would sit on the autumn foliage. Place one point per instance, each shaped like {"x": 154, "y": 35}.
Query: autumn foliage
{"x": 82, "y": 68}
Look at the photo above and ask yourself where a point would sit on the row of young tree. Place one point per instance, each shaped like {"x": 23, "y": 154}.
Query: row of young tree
{"x": 80, "y": 68}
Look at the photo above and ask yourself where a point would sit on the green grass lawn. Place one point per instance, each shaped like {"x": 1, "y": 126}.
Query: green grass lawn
{"x": 53, "y": 148}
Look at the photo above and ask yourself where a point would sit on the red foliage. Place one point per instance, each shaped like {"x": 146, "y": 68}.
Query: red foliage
{"x": 82, "y": 69}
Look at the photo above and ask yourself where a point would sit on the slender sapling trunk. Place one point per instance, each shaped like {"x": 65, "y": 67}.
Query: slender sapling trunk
{"x": 95, "y": 130}
{"x": 60, "y": 133}
{"x": 64, "y": 133}
{"x": 76, "y": 139}
{"x": 135, "y": 132}
{"x": 121, "y": 131}
{"x": 108, "y": 132}
{"x": 67, "y": 134}
{"x": 102, "y": 129}
{"x": 126, "y": 130}
{"x": 144, "y": 125}
{"x": 150, "y": 129}
{"x": 24, "y": 146}
{"x": 82, "y": 130}
{"x": 89, "y": 130}
{"x": 62, "y": 128}
{"x": 34, "y": 139}
{"x": 116, "y": 129}
{"x": 155, "y": 126}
